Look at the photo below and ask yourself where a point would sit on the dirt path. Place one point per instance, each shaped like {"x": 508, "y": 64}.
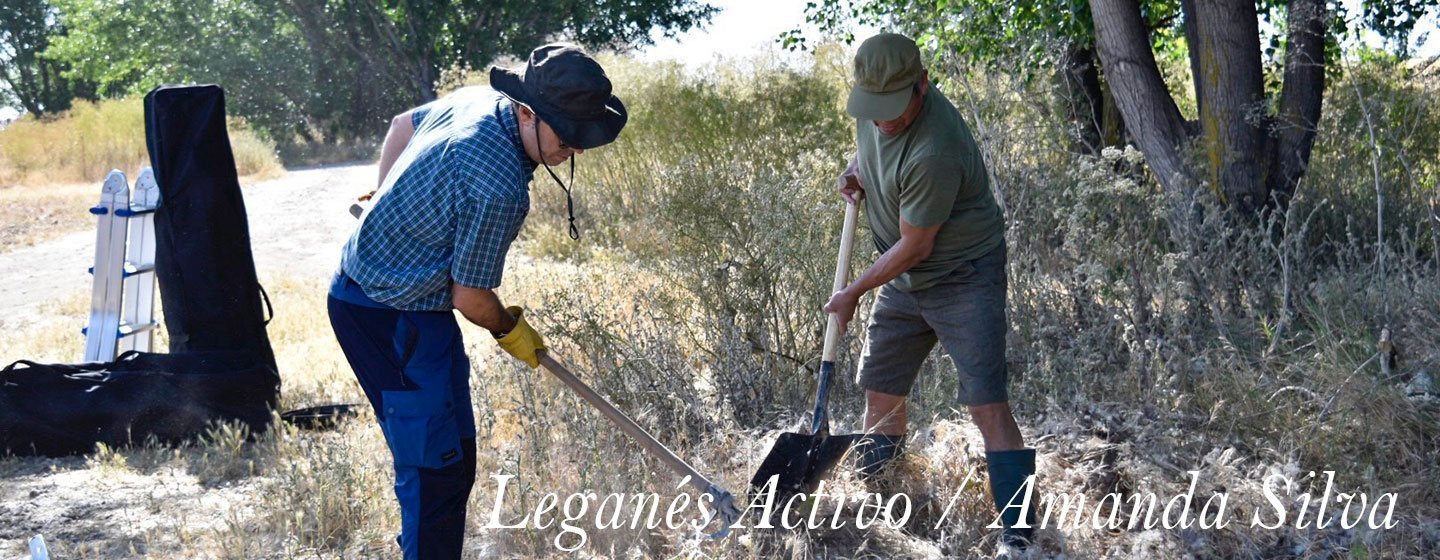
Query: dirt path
{"x": 297, "y": 224}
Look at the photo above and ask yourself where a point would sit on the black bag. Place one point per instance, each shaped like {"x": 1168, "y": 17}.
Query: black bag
{"x": 62, "y": 409}
{"x": 208, "y": 287}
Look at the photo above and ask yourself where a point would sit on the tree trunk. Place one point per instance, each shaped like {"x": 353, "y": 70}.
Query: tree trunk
{"x": 1232, "y": 86}
{"x": 1113, "y": 125}
{"x": 1124, "y": 47}
{"x": 1301, "y": 96}
{"x": 1192, "y": 38}
{"x": 1084, "y": 102}
{"x": 28, "y": 92}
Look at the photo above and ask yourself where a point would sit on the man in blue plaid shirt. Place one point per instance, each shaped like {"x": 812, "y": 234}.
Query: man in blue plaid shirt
{"x": 454, "y": 190}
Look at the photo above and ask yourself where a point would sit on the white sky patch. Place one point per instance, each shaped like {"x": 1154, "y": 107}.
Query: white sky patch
{"x": 741, "y": 29}
{"x": 1424, "y": 41}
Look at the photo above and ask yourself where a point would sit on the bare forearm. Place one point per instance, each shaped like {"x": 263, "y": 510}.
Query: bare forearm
{"x": 901, "y": 257}
{"x": 482, "y": 307}
{"x": 401, "y": 129}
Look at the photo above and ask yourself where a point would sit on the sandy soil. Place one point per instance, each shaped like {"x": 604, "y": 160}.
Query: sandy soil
{"x": 89, "y": 511}
{"x": 297, "y": 224}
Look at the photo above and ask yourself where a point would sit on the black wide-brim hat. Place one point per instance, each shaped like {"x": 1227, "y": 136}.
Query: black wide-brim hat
{"x": 569, "y": 91}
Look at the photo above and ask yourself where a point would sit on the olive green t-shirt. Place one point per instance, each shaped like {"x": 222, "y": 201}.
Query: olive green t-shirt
{"x": 932, "y": 173}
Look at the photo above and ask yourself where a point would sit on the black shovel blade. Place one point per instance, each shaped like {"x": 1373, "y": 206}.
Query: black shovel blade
{"x": 801, "y": 461}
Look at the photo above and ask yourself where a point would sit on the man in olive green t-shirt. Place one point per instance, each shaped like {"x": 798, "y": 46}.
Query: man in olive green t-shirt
{"x": 941, "y": 270}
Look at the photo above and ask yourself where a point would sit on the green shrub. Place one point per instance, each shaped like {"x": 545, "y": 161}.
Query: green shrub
{"x": 721, "y": 186}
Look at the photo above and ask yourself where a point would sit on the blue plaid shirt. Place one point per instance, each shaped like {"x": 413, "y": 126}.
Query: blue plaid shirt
{"x": 449, "y": 208}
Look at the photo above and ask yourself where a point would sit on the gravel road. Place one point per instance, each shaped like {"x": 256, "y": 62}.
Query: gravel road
{"x": 297, "y": 225}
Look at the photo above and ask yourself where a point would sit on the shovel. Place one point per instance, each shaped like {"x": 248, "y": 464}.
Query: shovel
{"x": 722, "y": 502}
{"x": 800, "y": 460}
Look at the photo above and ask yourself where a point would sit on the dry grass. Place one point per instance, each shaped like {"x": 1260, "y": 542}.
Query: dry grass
{"x": 31, "y": 215}
{"x": 1140, "y": 350}
{"x": 86, "y": 142}
{"x": 300, "y": 494}
{"x": 51, "y": 169}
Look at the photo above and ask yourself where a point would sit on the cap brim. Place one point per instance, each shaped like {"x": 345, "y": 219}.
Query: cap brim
{"x": 869, "y": 106}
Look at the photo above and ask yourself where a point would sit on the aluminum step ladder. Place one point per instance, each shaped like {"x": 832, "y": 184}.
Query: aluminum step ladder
{"x": 122, "y": 299}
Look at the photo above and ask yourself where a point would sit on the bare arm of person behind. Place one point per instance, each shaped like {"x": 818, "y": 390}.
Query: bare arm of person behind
{"x": 402, "y": 128}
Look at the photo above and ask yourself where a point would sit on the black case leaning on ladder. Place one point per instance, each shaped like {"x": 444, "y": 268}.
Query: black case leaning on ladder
{"x": 65, "y": 409}
{"x": 220, "y": 367}
{"x": 211, "y": 296}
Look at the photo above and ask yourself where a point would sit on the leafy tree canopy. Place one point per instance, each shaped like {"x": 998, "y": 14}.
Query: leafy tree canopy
{"x": 29, "y": 78}
{"x": 988, "y": 31}
{"x": 335, "y": 69}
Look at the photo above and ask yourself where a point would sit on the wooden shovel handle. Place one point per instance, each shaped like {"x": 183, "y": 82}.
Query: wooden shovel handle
{"x": 842, "y": 278}
{"x": 624, "y": 422}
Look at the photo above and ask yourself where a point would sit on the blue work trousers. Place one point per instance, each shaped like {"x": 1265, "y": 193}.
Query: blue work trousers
{"x": 413, "y": 369}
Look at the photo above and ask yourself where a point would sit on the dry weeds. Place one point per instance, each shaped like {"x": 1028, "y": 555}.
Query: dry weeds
{"x": 1141, "y": 350}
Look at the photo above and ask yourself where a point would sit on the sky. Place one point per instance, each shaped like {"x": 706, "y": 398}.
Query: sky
{"x": 745, "y": 27}
{"x": 741, "y": 28}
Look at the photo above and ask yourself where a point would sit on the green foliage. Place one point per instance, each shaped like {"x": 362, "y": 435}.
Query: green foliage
{"x": 1401, "y": 102}
{"x": 32, "y": 79}
{"x": 268, "y": 75}
{"x": 1394, "y": 20}
{"x": 332, "y": 71}
{"x": 722, "y": 185}
{"x": 993, "y": 32}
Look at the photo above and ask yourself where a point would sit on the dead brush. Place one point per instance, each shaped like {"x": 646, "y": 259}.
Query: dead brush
{"x": 1141, "y": 348}
{"x": 326, "y": 491}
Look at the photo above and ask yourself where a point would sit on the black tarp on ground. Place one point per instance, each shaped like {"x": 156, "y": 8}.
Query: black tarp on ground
{"x": 221, "y": 366}
{"x": 211, "y": 297}
{"x": 65, "y": 409}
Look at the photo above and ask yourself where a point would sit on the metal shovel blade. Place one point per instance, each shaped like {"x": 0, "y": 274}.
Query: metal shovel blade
{"x": 797, "y": 461}
{"x": 801, "y": 461}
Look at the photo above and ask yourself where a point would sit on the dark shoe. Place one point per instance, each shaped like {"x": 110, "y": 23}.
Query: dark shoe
{"x": 1008, "y": 472}
{"x": 874, "y": 451}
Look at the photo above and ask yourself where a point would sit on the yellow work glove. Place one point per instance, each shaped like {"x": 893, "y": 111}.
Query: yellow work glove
{"x": 522, "y": 341}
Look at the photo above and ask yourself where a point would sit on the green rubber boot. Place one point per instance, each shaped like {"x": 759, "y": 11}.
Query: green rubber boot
{"x": 1008, "y": 471}
{"x": 874, "y": 451}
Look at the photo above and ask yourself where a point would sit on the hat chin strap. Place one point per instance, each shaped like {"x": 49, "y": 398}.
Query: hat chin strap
{"x": 569, "y": 201}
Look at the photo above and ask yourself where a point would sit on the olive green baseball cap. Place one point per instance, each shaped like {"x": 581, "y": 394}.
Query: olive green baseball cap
{"x": 886, "y": 66}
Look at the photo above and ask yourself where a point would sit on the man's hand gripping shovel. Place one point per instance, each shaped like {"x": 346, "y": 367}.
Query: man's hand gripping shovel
{"x": 722, "y": 501}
